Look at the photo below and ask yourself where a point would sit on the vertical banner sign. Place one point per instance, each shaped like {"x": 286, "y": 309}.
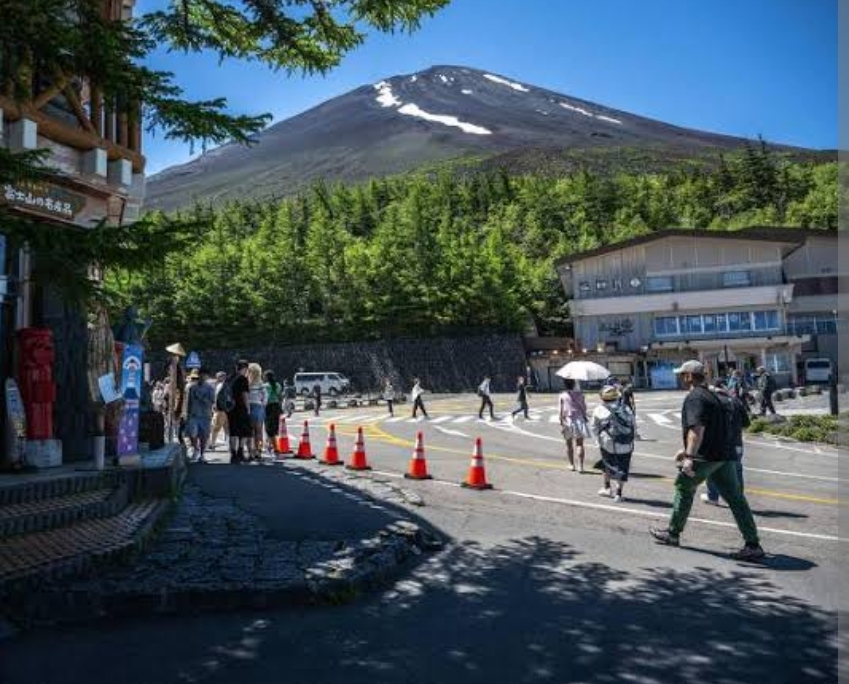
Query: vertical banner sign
{"x": 131, "y": 381}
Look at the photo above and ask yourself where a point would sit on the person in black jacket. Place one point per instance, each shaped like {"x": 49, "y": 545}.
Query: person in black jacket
{"x": 521, "y": 398}
{"x": 739, "y": 414}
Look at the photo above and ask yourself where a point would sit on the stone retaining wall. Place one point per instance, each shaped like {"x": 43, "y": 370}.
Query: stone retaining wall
{"x": 442, "y": 364}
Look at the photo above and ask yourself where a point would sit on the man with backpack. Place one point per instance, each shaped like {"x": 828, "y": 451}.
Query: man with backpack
{"x": 708, "y": 453}
{"x": 737, "y": 414}
{"x": 614, "y": 428}
{"x": 766, "y": 388}
{"x": 234, "y": 399}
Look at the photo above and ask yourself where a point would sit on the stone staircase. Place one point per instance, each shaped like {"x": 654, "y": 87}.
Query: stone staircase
{"x": 57, "y": 524}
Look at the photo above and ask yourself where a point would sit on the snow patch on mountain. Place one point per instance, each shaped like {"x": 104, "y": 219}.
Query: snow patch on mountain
{"x": 602, "y": 117}
{"x": 386, "y": 98}
{"x": 411, "y": 109}
{"x": 413, "y": 79}
{"x": 579, "y": 110}
{"x": 509, "y": 84}
{"x": 444, "y": 78}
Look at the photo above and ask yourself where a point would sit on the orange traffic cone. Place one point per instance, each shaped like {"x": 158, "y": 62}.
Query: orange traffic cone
{"x": 331, "y": 453}
{"x": 304, "y": 448}
{"x": 281, "y": 443}
{"x": 418, "y": 464}
{"x": 476, "y": 477}
{"x": 358, "y": 458}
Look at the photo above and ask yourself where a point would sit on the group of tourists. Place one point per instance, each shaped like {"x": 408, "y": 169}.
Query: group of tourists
{"x": 246, "y": 406}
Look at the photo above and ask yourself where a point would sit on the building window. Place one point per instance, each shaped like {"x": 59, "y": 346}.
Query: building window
{"x": 659, "y": 284}
{"x": 778, "y": 363}
{"x": 826, "y": 326}
{"x": 690, "y": 325}
{"x": 739, "y": 321}
{"x": 736, "y": 279}
{"x": 584, "y": 286}
{"x": 714, "y": 323}
{"x": 616, "y": 284}
{"x": 765, "y": 320}
{"x": 666, "y": 325}
{"x": 600, "y": 284}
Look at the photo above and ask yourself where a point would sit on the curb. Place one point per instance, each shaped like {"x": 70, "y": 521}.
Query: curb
{"x": 366, "y": 565}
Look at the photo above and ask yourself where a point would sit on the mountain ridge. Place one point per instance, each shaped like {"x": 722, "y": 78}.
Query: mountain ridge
{"x": 408, "y": 121}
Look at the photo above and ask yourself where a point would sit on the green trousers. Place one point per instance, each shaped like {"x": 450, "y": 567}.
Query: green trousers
{"x": 723, "y": 475}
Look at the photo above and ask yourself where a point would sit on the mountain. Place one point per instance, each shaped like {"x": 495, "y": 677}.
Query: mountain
{"x": 445, "y": 114}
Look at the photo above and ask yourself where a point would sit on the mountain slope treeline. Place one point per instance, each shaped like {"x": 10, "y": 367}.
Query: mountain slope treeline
{"x": 441, "y": 254}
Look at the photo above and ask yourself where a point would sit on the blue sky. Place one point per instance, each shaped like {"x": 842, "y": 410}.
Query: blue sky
{"x": 741, "y": 67}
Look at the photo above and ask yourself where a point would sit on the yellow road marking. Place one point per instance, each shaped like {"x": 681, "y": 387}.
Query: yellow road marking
{"x": 381, "y": 435}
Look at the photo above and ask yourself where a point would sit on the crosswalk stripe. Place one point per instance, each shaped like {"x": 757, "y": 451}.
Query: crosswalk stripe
{"x": 353, "y": 419}
{"x": 442, "y": 419}
{"x": 464, "y": 419}
{"x": 396, "y": 419}
{"x": 554, "y": 419}
{"x": 660, "y": 419}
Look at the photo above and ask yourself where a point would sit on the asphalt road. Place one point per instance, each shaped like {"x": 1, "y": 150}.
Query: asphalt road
{"x": 543, "y": 581}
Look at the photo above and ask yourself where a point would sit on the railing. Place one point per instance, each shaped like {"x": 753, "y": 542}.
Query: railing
{"x": 726, "y": 335}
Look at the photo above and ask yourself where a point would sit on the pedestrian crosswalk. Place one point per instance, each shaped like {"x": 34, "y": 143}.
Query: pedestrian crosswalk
{"x": 667, "y": 419}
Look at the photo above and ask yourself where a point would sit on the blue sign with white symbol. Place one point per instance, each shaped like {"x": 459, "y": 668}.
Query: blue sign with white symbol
{"x": 193, "y": 360}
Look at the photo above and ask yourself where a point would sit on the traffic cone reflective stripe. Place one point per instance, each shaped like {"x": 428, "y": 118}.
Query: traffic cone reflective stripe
{"x": 476, "y": 477}
{"x": 304, "y": 448}
{"x": 331, "y": 452}
{"x": 418, "y": 465}
{"x": 358, "y": 458}
{"x": 281, "y": 444}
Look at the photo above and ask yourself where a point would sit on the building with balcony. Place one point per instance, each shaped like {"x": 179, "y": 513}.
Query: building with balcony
{"x": 741, "y": 299}
{"x": 94, "y": 148}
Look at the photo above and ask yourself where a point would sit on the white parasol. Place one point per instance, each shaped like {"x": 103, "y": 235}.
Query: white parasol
{"x": 584, "y": 370}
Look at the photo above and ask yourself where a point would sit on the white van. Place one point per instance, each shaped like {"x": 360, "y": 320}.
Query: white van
{"x": 818, "y": 371}
{"x": 330, "y": 383}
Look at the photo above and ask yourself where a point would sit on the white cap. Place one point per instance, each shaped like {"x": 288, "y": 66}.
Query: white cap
{"x": 693, "y": 366}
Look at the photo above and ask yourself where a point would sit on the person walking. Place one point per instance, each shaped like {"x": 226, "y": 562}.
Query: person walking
{"x": 766, "y": 387}
{"x": 707, "y": 453}
{"x": 521, "y": 398}
{"x": 257, "y": 400}
{"x": 200, "y": 400}
{"x": 416, "y": 394}
{"x": 219, "y": 416}
{"x": 738, "y": 414}
{"x": 235, "y": 400}
{"x": 316, "y": 398}
{"x": 573, "y": 422}
{"x": 389, "y": 396}
{"x": 273, "y": 408}
{"x": 486, "y": 398}
{"x": 614, "y": 427}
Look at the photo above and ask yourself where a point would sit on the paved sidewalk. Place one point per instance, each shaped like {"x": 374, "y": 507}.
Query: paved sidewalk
{"x": 248, "y": 536}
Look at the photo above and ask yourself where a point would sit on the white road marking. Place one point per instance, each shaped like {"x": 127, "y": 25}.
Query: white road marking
{"x": 464, "y": 419}
{"x": 353, "y": 419}
{"x": 456, "y": 433}
{"x": 634, "y": 511}
{"x": 396, "y": 419}
{"x": 660, "y": 419}
{"x": 554, "y": 419}
{"x": 441, "y": 419}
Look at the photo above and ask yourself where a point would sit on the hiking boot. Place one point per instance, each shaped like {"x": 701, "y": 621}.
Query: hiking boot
{"x": 749, "y": 553}
{"x": 664, "y": 536}
{"x": 706, "y": 499}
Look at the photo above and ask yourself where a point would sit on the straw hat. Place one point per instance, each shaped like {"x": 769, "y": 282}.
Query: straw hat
{"x": 176, "y": 348}
{"x": 609, "y": 393}
{"x": 194, "y": 374}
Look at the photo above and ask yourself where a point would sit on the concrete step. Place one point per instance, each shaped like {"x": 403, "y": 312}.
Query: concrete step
{"x": 39, "y": 487}
{"x": 44, "y": 514}
{"x": 37, "y": 556}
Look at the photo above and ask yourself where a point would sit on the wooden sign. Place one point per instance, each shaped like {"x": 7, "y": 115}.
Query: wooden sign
{"x": 44, "y": 199}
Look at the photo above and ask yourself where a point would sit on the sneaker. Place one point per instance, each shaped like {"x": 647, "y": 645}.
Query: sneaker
{"x": 604, "y": 491}
{"x": 618, "y": 498}
{"x": 664, "y": 536}
{"x": 749, "y": 553}
{"x": 572, "y": 468}
{"x": 706, "y": 499}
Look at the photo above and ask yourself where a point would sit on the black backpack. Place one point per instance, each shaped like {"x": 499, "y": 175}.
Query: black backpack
{"x": 734, "y": 417}
{"x": 224, "y": 400}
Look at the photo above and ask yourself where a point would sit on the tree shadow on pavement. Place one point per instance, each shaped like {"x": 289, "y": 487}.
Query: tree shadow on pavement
{"x": 529, "y": 610}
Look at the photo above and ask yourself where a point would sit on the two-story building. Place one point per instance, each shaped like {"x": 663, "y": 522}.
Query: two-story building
{"x": 94, "y": 148}
{"x": 728, "y": 298}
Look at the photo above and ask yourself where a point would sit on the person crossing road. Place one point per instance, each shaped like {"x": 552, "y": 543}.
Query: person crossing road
{"x": 484, "y": 393}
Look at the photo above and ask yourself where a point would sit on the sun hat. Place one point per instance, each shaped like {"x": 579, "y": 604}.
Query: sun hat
{"x": 693, "y": 366}
{"x": 176, "y": 348}
{"x": 194, "y": 374}
{"x": 609, "y": 393}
